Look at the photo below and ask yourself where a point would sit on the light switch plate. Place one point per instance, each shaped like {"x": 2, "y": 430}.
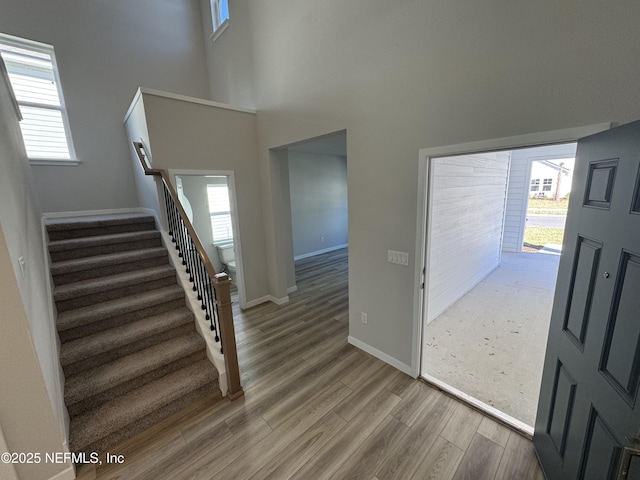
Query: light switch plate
{"x": 400, "y": 258}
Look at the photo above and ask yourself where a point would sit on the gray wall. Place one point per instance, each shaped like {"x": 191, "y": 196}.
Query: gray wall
{"x": 318, "y": 192}
{"x": 105, "y": 50}
{"x": 31, "y": 409}
{"x": 195, "y": 189}
{"x": 400, "y": 76}
{"x": 468, "y": 196}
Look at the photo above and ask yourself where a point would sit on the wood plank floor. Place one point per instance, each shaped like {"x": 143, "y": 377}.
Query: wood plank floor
{"x": 318, "y": 408}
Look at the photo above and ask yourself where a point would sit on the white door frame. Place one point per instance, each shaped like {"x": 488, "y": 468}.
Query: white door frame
{"x": 237, "y": 242}
{"x": 425, "y": 155}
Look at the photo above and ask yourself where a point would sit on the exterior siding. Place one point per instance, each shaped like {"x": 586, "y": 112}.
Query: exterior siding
{"x": 468, "y": 204}
{"x": 519, "y": 189}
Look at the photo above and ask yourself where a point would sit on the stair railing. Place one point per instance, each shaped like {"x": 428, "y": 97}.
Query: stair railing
{"x": 213, "y": 289}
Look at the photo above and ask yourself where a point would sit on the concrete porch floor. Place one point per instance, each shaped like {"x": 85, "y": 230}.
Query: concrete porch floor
{"x": 491, "y": 343}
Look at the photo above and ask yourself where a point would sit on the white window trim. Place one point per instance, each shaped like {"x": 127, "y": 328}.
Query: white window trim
{"x": 49, "y": 50}
{"x": 217, "y": 27}
{"x": 223, "y": 26}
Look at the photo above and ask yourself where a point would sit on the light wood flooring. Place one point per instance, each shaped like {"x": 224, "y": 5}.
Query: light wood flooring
{"x": 318, "y": 408}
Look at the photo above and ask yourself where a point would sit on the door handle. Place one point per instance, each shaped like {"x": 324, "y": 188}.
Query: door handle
{"x": 625, "y": 465}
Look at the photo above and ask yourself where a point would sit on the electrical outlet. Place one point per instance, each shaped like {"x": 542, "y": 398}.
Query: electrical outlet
{"x": 364, "y": 318}
{"x": 322, "y": 238}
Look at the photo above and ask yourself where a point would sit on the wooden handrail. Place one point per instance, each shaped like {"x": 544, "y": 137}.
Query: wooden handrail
{"x": 220, "y": 282}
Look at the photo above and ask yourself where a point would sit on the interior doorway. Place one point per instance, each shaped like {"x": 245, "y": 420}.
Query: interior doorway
{"x": 209, "y": 201}
{"x": 314, "y": 197}
{"x": 488, "y": 291}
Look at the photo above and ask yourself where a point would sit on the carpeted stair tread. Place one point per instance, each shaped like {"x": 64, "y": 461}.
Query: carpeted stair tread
{"x": 112, "y": 339}
{"x": 207, "y": 394}
{"x": 136, "y": 405}
{"x": 111, "y": 374}
{"x": 129, "y": 348}
{"x": 97, "y": 261}
{"x": 104, "y": 310}
{"x": 95, "y": 245}
{"x": 111, "y": 282}
{"x": 75, "y": 227}
{"x": 93, "y": 221}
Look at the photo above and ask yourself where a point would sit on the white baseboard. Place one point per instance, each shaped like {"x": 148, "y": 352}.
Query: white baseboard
{"x": 292, "y": 289}
{"x": 267, "y": 298}
{"x": 403, "y": 367}
{"x": 320, "y": 252}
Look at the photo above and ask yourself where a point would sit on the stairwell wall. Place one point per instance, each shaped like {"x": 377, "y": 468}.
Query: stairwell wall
{"x": 104, "y": 51}
{"x": 187, "y": 134}
{"x": 32, "y": 414}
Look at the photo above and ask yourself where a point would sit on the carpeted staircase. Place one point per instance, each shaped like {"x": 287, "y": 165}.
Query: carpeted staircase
{"x": 129, "y": 348}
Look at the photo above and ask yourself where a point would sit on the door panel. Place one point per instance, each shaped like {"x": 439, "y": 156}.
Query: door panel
{"x": 620, "y": 361}
{"x": 588, "y": 409}
{"x": 602, "y": 451}
{"x": 581, "y": 288}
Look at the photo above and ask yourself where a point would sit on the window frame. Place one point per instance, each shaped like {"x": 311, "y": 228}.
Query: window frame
{"x": 218, "y": 26}
{"x": 42, "y": 48}
{"x": 535, "y": 185}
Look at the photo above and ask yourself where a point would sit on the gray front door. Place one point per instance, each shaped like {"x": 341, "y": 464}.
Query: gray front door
{"x": 589, "y": 412}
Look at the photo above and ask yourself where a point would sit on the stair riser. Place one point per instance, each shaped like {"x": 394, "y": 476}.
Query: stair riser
{"x": 76, "y": 276}
{"x": 93, "y": 298}
{"x": 66, "y": 234}
{"x": 140, "y": 425}
{"x": 61, "y": 255}
{"x": 91, "y": 327}
{"x": 79, "y": 407}
{"x": 123, "y": 350}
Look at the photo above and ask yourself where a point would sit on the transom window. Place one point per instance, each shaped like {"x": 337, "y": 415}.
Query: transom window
{"x": 33, "y": 75}
{"x": 220, "y": 209}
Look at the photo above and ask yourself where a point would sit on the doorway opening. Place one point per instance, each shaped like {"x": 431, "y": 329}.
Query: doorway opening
{"x": 488, "y": 288}
{"x": 208, "y": 199}
{"x": 314, "y": 198}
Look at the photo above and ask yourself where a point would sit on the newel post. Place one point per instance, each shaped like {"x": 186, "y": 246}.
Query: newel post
{"x": 227, "y": 335}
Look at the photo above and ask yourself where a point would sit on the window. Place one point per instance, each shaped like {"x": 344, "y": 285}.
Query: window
{"x": 535, "y": 185}
{"x": 34, "y": 78}
{"x": 546, "y": 184}
{"x": 219, "y": 207}
{"x": 219, "y": 16}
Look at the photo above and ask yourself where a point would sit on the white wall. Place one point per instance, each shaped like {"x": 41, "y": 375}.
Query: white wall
{"x": 104, "y": 51}
{"x": 318, "y": 192}
{"x": 195, "y": 189}
{"x": 468, "y": 195}
{"x": 228, "y": 58}
{"x": 518, "y": 191}
{"x": 400, "y": 76}
{"x": 187, "y": 135}
{"x": 31, "y": 406}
